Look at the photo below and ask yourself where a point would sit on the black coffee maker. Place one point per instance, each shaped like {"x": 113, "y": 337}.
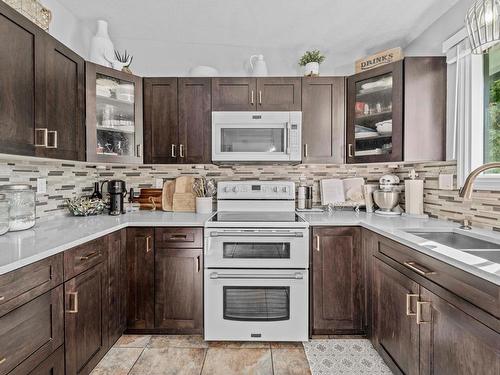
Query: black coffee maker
{"x": 117, "y": 192}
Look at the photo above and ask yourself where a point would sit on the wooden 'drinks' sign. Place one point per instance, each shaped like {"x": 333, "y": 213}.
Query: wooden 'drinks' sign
{"x": 379, "y": 59}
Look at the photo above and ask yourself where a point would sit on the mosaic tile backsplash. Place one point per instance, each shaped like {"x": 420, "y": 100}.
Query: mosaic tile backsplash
{"x": 70, "y": 179}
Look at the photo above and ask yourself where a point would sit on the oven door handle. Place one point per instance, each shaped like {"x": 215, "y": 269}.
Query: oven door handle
{"x": 256, "y": 234}
{"x": 288, "y": 276}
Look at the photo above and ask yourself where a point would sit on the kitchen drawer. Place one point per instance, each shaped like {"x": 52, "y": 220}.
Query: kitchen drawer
{"x": 478, "y": 291}
{"x": 31, "y": 333}
{"x": 179, "y": 237}
{"x": 54, "y": 365}
{"x": 83, "y": 257}
{"x": 22, "y": 285}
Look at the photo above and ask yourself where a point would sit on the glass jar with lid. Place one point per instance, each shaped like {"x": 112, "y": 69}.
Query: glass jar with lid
{"x": 4, "y": 214}
{"x": 22, "y": 206}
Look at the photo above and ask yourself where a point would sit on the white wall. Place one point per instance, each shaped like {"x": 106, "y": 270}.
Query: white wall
{"x": 67, "y": 28}
{"x": 430, "y": 42}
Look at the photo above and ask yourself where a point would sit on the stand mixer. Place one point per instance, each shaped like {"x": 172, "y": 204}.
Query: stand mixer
{"x": 387, "y": 196}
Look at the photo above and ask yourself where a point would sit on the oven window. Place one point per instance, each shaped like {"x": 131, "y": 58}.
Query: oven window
{"x": 252, "y": 140}
{"x": 260, "y": 303}
{"x": 256, "y": 250}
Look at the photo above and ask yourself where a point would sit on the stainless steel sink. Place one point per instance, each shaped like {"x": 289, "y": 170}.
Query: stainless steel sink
{"x": 457, "y": 240}
{"x": 492, "y": 255}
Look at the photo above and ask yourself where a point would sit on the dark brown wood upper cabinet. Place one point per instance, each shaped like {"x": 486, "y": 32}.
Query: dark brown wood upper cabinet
{"x": 452, "y": 342}
{"x": 279, "y": 94}
{"x": 234, "y": 94}
{"x": 395, "y": 331}
{"x": 323, "y": 119}
{"x": 256, "y": 94}
{"x": 86, "y": 319}
{"x": 337, "y": 281}
{"x": 411, "y": 93}
{"x": 161, "y": 130}
{"x": 179, "y": 290}
{"x": 195, "y": 132}
{"x": 373, "y": 97}
{"x": 140, "y": 272}
{"x": 18, "y": 38}
{"x": 62, "y": 103}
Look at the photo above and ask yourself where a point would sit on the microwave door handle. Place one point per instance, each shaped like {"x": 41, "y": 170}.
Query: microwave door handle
{"x": 288, "y": 276}
{"x": 287, "y": 138}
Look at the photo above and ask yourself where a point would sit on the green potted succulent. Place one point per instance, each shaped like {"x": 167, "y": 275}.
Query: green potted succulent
{"x": 310, "y": 60}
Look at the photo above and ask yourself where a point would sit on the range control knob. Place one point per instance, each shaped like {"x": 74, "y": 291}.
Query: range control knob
{"x": 284, "y": 189}
{"x": 275, "y": 189}
{"x": 227, "y": 189}
{"x": 235, "y": 189}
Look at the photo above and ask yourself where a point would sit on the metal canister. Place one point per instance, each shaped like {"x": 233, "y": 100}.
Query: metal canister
{"x": 309, "y": 197}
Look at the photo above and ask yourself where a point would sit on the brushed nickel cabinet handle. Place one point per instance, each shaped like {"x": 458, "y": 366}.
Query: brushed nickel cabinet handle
{"x": 139, "y": 150}
{"x": 419, "y": 312}
{"x": 90, "y": 255}
{"x": 252, "y": 99}
{"x": 173, "y": 151}
{"x": 350, "y": 153}
{"x": 198, "y": 267}
{"x": 2, "y": 298}
{"x": 148, "y": 244}
{"x": 45, "y": 137}
{"x": 260, "y": 97}
{"x": 305, "y": 150}
{"x": 73, "y": 310}
{"x": 408, "y": 303}
{"x": 181, "y": 150}
{"x": 419, "y": 269}
{"x": 2, "y": 360}
{"x": 52, "y": 133}
{"x": 178, "y": 236}
{"x": 317, "y": 243}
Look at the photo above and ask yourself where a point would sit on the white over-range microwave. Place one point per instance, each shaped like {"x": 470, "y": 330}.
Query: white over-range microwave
{"x": 256, "y": 136}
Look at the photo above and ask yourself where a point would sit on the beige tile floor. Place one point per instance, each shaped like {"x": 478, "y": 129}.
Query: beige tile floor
{"x": 190, "y": 355}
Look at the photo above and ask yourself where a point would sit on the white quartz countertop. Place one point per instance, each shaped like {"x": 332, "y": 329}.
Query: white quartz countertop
{"x": 49, "y": 237}
{"x": 52, "y": 236}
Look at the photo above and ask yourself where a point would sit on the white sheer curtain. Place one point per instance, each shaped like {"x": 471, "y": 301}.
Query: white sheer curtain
{"x": 464, "y": 107}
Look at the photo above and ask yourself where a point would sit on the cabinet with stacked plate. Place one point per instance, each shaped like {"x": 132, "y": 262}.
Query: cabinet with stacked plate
{"x": 114, "y": 115}
{"x": 397, "y": 112}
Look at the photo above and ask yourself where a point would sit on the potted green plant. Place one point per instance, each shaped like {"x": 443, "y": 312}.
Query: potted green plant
{"x": 310, "y": 61}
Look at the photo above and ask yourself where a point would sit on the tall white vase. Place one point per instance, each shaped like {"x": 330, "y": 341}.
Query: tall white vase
{"x": 102, "y": 50}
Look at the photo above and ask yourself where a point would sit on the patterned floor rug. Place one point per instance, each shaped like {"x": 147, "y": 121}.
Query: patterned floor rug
{"x": 344, "y": 356}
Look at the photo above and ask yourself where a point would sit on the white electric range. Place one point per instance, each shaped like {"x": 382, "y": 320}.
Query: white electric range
{"x": 256, "y": 264}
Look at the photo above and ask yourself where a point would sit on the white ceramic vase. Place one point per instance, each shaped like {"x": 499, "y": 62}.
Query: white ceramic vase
{"x": 102, "y": 51}
{"x": 311, "y": 69}
{"x": 258, "y": 65}
{"x": 204, "y": 205}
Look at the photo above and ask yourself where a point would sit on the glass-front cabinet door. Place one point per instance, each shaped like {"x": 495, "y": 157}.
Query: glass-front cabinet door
{"x": 375, "y": 115}
{"x": 114, "y": 116}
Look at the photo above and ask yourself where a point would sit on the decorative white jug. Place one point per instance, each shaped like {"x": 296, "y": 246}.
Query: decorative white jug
{"x": 102, "y": 50}
{"x": 259, "y": 67}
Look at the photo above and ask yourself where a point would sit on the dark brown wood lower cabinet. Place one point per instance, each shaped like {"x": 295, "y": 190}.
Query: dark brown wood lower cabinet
{"x": 140, "y": 275}
{"x": 337, "y": 281}
{"x": 178, "y": 290}
{"x": 395, "y": 331}
{"x": 31, "y": 332}
{"x": 454, "y": 343}
{"x": 86, "y": 320}
{"x": 54, "y": 365}
{"x": 117, "y": 278}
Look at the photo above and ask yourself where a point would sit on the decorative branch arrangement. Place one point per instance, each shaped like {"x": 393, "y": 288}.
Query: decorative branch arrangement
{"x": 204, "y": 188}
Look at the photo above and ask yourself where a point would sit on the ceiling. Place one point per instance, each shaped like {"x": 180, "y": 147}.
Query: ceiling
{"x": 345, "y": 28}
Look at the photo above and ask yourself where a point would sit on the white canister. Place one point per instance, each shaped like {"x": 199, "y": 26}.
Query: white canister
{"x": 204, "y": 205}
{"x": 368, "y": 193}
{"x": 301, "y": 197}
{"x": 311, "y": 69}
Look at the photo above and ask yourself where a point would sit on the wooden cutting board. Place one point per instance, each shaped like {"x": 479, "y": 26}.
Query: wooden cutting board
{"x": 168, "y": 195}
{"x": 184, "y": 198}
{"x": 184, "y": 184}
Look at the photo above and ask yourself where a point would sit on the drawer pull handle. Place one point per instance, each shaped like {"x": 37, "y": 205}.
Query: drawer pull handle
{"x": 419, "y": 269}
{"x": 2, "y": 360}
{"x": 74, "y": 310}
{"x": 317, "y": 243}
{"x": 2, "y": 298}
{"x": 419, "y": 312}
{"x": 178, "y": 237}
{"x": 45, "y": 137}
{"x": 148, "y": 244}
{"x": 408, "y": 304}
{"x": 90, "y": 255}
{"x": 198, "y": 268}
{"x": 181, "y": 150}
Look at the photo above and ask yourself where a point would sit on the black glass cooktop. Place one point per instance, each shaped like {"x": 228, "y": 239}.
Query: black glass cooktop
{"x": 261, "y": 217}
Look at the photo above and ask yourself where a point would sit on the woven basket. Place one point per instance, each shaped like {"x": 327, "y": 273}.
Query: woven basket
{"x": 32, "y": 10}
